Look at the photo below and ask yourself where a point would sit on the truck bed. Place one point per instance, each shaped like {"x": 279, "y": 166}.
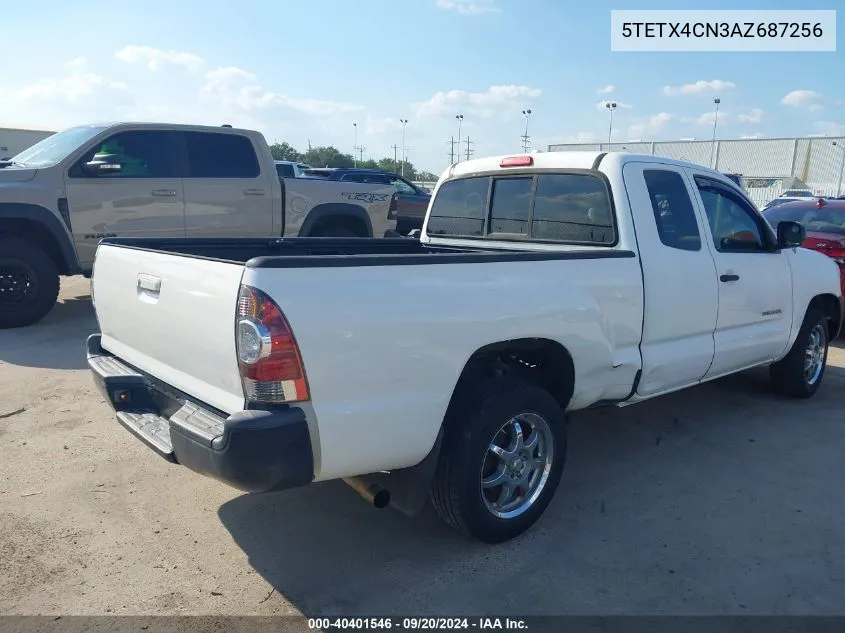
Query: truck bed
{"x": 344, "y": 252}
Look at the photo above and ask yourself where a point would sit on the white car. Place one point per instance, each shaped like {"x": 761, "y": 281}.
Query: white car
{"x": 447, "y": 367}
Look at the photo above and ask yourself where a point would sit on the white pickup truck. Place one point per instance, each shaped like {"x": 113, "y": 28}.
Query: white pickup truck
{"x": 62, "y": 195}
{"x": 446, "y": 367}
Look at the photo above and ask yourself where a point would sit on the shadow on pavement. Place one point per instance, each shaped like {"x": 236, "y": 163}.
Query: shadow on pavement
{"x": 55, "y": 342}
{"x": 669, "y": 506}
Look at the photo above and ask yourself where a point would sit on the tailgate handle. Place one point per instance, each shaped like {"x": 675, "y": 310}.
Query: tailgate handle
{"x": 253, "y": 192}
{"x": 151, "y": 283}
{"x": 164, "y": 193}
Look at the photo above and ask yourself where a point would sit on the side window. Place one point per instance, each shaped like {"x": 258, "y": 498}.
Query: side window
{"x": 459, "y": 208}
{"x": 403, "y": 187}
{"x": 573, "y": 208}
{"x": 733, "y": 225}
{"x": 218, "y": 155}
{"x": 285, "y": 170}
{"x": 140, "y": 154}
{"x": 511, "y": 203}
{"x": 673, "y": 211}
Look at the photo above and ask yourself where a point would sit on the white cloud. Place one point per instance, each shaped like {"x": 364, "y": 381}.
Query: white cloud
{"x": 708, "y": 118}
{"x": 755, "y": 116}
{"x": 830, "y": 128}
{"x": 80, "y": 83}
{"x": 803, "y": 99}
{"x": 606, "y": 90}
{"x": 239, "y": 88}
{"x": 752, "y": 136}
{"x": 469, "y": 7}
{"x": 158, "y": 59}
{"x": 699, "y": 87}
{"x": 654, "y": 125}
{"x": 602, "y": 105}
{"x": 480, "y": 104}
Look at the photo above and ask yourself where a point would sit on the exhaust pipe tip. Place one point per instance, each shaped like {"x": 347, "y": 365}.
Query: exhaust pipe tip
{"x": 371, "y": 492}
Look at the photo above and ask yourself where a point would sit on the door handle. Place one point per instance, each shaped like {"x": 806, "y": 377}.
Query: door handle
{"x": 253, "y": 192}
{"x": 164, "y": 193}
{"x": 150, "y": 283}
{"x": 729, "y": 278}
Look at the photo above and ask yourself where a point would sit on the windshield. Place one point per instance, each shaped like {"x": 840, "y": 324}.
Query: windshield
{"x": 823, "y": 220}
{"x": 55, "y": 148}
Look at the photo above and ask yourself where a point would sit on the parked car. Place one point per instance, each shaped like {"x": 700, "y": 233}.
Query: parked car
{"x": 62, "y": 195}
{"x": 289, "y": 169}
{"x": 411, "y": 200}
{"x": 824, "y": 221}
{"x": 447, "y": 366}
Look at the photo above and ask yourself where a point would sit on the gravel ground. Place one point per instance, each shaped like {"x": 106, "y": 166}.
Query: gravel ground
{"x": 720, "y": 499}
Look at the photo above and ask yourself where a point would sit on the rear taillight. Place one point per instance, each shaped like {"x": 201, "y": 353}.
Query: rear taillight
{"x": 270, "y": 364}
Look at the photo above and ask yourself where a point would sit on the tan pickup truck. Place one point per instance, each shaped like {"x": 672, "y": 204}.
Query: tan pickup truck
{"x": 61, "y": 196}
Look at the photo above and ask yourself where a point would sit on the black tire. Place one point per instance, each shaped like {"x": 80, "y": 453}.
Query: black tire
{"x": 471, "y": 426}
{"x": 29, "y": 279}
{"x": 789, "y": 375}
{"x": 334, "y": 229}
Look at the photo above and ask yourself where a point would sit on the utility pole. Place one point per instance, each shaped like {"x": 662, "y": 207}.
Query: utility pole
{"x": 460, "y": 118}
{"x": 355, "y": 145}
{"x": 452, "y": 150}
{"x": 361, "y": 154}
{"x": 469, "y": 151}
{"x": 404, "y": 122}
{"x": 526, "y": 140}
{"x": 395, "y": 164}
{"x": 717, "y": 101}
{"x": 611, "y": 106}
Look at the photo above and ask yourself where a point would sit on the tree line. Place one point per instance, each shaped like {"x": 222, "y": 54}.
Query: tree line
{"x": 329, "y": 156}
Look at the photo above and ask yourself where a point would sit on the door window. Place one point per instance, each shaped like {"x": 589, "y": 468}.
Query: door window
{"x": 403, "y": 187}
{"x": 220, "y": 155}
{"x": 140, "y": 154}
{"x": 734, "y": 226}
{"x": 673, "y": 211}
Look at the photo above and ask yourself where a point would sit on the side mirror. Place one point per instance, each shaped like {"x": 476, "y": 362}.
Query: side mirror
{"x": 102, "y": 164}
{"x": 791, "y": 234}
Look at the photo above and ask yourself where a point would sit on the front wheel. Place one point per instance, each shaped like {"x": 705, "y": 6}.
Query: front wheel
{"x": 800, "y": 372}
{"x": 501, "y": 461}
{"x": 29, "y": 282}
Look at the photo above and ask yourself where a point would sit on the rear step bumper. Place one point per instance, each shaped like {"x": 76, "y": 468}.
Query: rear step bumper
{"x": 254, "y": 450}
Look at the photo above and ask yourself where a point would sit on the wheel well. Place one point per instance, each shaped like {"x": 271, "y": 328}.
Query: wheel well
{"x": 829, "y": 306}
{"x": 544, "y": 362}
{"x": 354, "y": 224}
{"x": 38, "y": 233}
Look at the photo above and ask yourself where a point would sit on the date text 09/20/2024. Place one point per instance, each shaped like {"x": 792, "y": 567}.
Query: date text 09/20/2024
{"x": 412, "y": 624}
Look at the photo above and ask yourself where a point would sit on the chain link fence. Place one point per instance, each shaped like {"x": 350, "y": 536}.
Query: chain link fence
{"x": 767, "y": 166}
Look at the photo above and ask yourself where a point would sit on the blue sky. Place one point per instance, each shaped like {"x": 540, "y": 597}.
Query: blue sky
{"x": 305, "y": 71}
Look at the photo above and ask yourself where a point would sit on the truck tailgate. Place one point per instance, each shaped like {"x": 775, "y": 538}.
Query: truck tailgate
{"x": 172, "y": 317}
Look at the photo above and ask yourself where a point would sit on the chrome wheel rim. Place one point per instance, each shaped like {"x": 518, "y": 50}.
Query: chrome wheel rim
{"x": 516, "y": 465}
{"x": 814, "y": 356}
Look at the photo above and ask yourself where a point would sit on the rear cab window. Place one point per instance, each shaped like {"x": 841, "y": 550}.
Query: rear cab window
{"x": 572, "y": 207}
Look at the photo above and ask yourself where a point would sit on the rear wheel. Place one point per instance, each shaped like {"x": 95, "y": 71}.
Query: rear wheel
{"x": 502, "y": 459}
{"x": 335, "y": 229}
{"x": 29, "y": 282}
{"x": 800, "y": 372}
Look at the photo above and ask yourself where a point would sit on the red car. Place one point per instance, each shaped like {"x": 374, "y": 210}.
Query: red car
{"x": 824, "y": 220}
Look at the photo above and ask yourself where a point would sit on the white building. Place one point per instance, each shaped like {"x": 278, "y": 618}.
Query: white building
{"x": 15, "y": 140}
{"x": 764, "y": 164}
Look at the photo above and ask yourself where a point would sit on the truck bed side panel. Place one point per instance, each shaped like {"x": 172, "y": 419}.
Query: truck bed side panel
{"x": 383, "y": 346}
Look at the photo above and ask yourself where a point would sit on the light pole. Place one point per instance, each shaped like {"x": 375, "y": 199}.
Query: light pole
{"x": 404, "y": 122}
{"x": 460, "y": 118}
{"x": 611, "y": 106}
{"x": 526, "y": 114}
{"x": 841, "y": 168}
{"x": 355, "y": 145}
{"x": 717, "y": 101}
